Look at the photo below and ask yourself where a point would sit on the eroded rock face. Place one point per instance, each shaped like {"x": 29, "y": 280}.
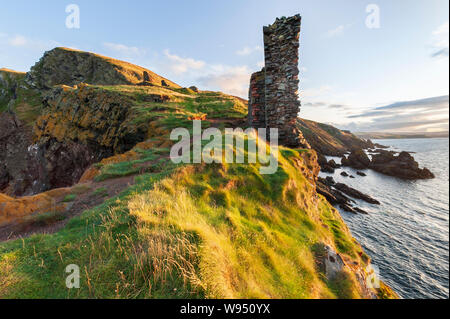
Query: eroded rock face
{"x": 78, "y": 127}
{"x": 19, "y": 168}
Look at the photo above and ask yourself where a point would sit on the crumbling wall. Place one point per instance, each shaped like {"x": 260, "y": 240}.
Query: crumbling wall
{"x": 281, "y": 102}
{"x": 256, "y": 100}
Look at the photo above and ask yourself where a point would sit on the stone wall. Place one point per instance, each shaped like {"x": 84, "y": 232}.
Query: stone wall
{"x": 281, "y": 104}
{"x": 256, "y": 100}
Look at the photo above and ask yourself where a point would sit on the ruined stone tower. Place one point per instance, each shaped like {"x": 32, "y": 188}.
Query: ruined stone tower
{"x": 273, "y": 94}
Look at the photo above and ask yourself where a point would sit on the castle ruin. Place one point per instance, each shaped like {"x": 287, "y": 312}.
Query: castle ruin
{"x": 273, "y": 94}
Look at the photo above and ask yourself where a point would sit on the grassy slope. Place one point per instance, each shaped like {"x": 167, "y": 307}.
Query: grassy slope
{"x": 196, "y": 231}
{"x": 189, "y": 232}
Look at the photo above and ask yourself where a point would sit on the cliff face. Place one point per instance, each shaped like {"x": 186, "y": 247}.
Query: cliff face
{"x": 70, "y": 67}
{"x": 50, "y": 132}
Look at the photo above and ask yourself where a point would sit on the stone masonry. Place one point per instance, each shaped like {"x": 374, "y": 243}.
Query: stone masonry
{"x": 273, "y": 94}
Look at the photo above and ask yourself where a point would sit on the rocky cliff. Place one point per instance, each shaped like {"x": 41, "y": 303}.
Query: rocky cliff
{"x": 54, "y": 125}
{"x": 70, "y": 67}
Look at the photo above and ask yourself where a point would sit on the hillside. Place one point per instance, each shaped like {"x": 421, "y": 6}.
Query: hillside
{"x": 102, "y": 193}
{"x": 328, "y": 140}
{"x": 89, "y": 68}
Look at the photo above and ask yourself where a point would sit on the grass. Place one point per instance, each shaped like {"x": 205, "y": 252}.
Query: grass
{"x": 102, "y": 192}
{"x": 69, "y": 198}
{"x": 197, "y": 231}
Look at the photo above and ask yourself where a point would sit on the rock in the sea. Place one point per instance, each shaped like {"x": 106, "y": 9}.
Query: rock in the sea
{"x": 403, "y": 166}
{"x": 330, "y": 180}
{"x": 357, "y": 159}
{"x": 348, "y": 208}
{"x": 361, "y": 211}
{"x": 344, "y": 173}
{"x": 361, "y": 173}
{"x": 333, "y": 164}
{"x": 355, "y": 193}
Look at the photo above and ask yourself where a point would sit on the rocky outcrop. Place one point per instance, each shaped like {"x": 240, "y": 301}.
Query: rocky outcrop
{"x": 355, "y": 193}
{"x": 403, "y": 166}
{"x": 337, "y": 194}
{"x": 386, "y": 162}
{"x": 79, "y": 127}
{"x": 357, "y": 159}
{"x": 19, "y": 167}
{"x": 70, "y": 67}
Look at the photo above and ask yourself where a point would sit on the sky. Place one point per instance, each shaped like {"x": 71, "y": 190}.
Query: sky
{"x": 364, "y": 65}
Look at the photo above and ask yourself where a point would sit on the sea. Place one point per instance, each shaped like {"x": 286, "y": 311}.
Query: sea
{"x": 407, "y": 236}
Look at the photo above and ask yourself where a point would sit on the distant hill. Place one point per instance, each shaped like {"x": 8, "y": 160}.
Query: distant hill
{"x": 328, "y": 140}
{"x": 384, "y": 135}
{"x": 89, "y": 68}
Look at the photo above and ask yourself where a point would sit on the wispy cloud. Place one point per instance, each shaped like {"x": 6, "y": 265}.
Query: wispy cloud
{"x": 124, "y": 49}
{"x": 22, "y": 41}
{"x": 440, "y": 42}
{"x": 232, "y": 80}
{"x": 339, "y": 30}
{"x": 249, "y": 50}
{"x": 430, "y": 114}
{"x": 182, "y": 65}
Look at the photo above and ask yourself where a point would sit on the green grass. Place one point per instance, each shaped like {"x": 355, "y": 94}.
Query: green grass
{"x": 189, "y": 232}
{"x": 69, "y": 198}
{"x": 102, "y": 192}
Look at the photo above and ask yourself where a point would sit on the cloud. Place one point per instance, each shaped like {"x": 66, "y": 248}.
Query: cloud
{"x": 325, "y": 104}
{"x": 232, "y": 80}
{"x": 440, "y": 41}
{"x": 23, "y": 42}
{"x": 247, "y": 50}
{"x": 182, "y": 65}
{"x": 315, "y": 92}
{"x": 18, "y": 41}
{"x": 430, "y": 114}
{"x": 123, "y": 49}
{"x": 314, "y": 104}
{"x": 339, "y": 30}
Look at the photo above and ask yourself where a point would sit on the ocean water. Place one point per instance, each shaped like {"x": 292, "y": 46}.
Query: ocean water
{"x": 407, "y": 236}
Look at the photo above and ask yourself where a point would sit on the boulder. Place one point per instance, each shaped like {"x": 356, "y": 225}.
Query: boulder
{"x": 361, "y": 173}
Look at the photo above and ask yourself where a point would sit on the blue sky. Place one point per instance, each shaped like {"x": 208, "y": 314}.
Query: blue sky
{"x": 348, "y": 71}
